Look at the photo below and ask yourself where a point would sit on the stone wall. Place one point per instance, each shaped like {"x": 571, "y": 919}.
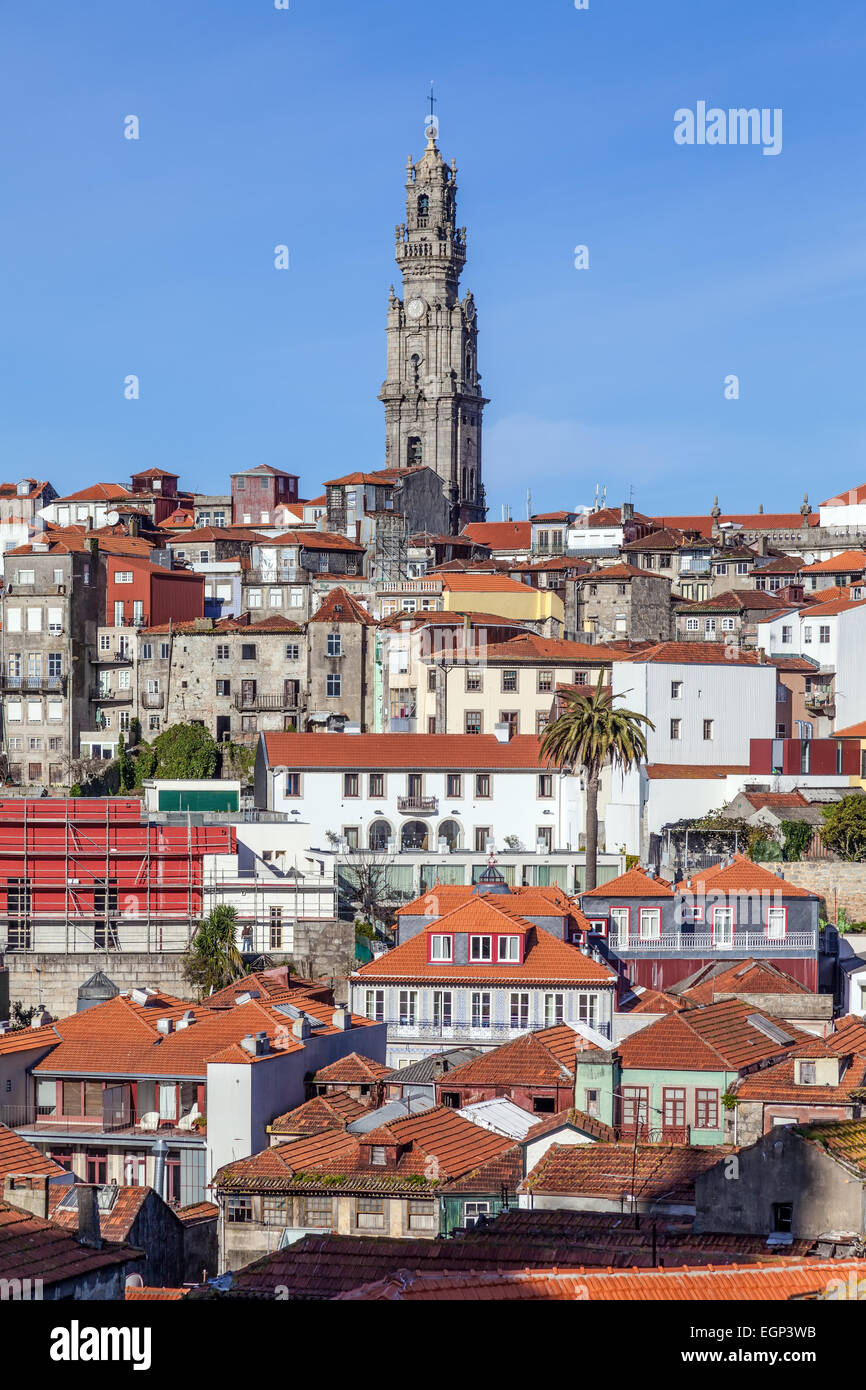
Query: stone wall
{"x": 842, "y": 886}
{"x": 53, "y": 979}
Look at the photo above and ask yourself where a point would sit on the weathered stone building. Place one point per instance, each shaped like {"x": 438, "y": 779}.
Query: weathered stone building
{"x": 618, "y": 602}
{"x": 341, "y": 652}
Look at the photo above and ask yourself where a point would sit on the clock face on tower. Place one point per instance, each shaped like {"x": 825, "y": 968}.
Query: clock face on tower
{"x": 415, "y": 308}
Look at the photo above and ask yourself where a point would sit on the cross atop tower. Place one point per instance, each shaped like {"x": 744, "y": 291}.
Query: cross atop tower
{"x": 433, "y": 101}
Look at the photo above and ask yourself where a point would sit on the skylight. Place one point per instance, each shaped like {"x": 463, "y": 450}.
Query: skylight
{"x": 770, "y": 1030}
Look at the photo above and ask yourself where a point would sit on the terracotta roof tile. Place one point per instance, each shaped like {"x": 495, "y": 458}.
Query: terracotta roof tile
{"x": 655, "y": 1172}
{"x": 334, "y": 1111}
{"x": 634, "y": 883}
{"x": 17, "y": 1156}
{"x": 351, "y": 1070}
{"x": 741, "y": 876}
{"x": 464, "y": 751}
{"x": 694, "y": 771}
{"x": 32, "y": 1248}
{"x": 341, "y": 607}
{"x": 715, "y": 1037}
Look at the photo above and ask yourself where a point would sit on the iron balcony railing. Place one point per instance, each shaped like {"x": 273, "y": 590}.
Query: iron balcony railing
{"x": 262, "y": 703}
{"x": 110, "y": 697}
{"x": 706, "y": 941}
{"x": 50, "y": 685}
{"x": 153, "y": 699}
{"x": 418, "y": 805}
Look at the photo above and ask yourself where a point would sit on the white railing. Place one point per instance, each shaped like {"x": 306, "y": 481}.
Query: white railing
{"x": 705, "y": 941}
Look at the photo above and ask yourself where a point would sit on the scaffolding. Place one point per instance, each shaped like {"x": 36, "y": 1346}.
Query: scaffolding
{"x": 390, "y": 559}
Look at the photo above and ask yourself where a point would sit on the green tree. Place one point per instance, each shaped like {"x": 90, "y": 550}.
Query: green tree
{"x": 125, "y": 767}
{"x": 797, "y": 836}
{"x": 590, "y": 733}
{"x": 186, "y": 750}
{"x": 213, "y": 959}
{"x": 844, "y": 828}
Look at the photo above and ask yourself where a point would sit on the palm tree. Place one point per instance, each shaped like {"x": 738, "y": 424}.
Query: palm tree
{"x": 213, "y": 960}
{"x": 589, "y": 733}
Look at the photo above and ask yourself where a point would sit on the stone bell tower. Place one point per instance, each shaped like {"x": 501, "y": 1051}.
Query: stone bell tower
{"x": 432, "y": 391}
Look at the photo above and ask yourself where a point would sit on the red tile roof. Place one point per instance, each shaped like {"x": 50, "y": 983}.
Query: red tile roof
{"x": 571, "y": 1119}
{"x": 33, "y": 1248}
{"x": 150, "y": 1295}
{"x": 654, "y": 1172}
{"x": 838, "y": 564}
{"x": 99, "y": 492}
{"x": 334, "y": 1111}
{"x": 743, "y": 977}
{"x": 696, "y": 654}
{"x": 526, "y": 1061}
{"x": 716, "y": 1037}
{"x": 17, "y": 1156}
{"x": 307, "y": 1164}
{"x": 530, "y": 647}
{"x": 741, "y": 876}
{"x": 340, "y": 607}
{"x": 634, "y": 883}
{"x": 751, "y": 521}
{"x": 353, "y": 1070}
{"x": 852, "y": 731}
{"x": 779, "y": 1281}
{"x": 115, "y": 1224}
{"x": 834, "y": 608}
{"x": 545, "y": 957}
{"x": 340, "y": 751}
{"x": 501, "y": 535}
{"x": 777, "y": 1083}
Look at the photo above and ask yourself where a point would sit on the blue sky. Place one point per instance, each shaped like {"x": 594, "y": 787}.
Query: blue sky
{"x": 261, "y": 127}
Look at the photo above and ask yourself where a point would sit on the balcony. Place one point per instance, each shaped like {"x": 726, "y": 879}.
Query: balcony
{"x": 287, "y": 574}
{"x": 35, "y": 685}
{"x": 140, "y": 621}
{"x": 152, "y": 699}
{"x": 40, "y": 1121}
{"x": 110, "y": 697}
{"x": 663, "y": 1134}
{"x": 264, "y": 704}
{"x": 701, "y": 943}
{"x": 118, "y": 658}
{"x": 418, "y": 805}
{"x": 822, "y": 700}
{"x": 429, "y": 1031}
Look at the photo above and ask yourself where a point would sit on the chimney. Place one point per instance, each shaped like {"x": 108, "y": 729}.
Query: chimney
{"x": 341, "y": 1019}
{"x": 301, "y": 1028}
{"x": 256, "y": 1044}
{"x": 41, "y": 1016}
{"x": 502, "y": 732}
{"x": 627, "y": 511}
{"x": 28, "y": 1192}
{"x": 88, "y": 525}
{"x": 134, "y": 526}
{"x": 164, "y": 1025}
{"x": 88, "y": 1218}
{"x": 159, "y": 1151}
{"x": 93, "y": 546}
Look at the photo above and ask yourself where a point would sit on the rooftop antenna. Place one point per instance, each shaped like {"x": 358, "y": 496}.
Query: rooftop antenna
{"x": 528, "y": 505}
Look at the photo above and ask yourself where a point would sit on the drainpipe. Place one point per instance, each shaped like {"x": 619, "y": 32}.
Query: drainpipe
{"x": 159, "y": 1152}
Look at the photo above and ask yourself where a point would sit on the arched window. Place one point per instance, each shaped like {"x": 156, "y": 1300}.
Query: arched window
{"x": 414, "y": 452}
{"x": 414, "y": 835}
{"x": 469, "y": 366}
{"x": 379, "y": 834}
{"x": 423, "y": 210}
{"x": 449, "y": 830}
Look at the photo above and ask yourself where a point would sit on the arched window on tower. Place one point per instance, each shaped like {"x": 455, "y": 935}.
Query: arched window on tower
{"x": 471, "y": 493}
{"x": 423, "y": 210}
{"x": 414, "y": 452}
{"x": 469, "y": 375}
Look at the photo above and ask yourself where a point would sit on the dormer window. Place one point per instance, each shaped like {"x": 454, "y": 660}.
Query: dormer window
{"x": 378, "y": 1155}
{"x": 808, "y": 1073}
{"x": 441, "y": 948}
{"x": 509, "y": 948}
{"x": 480, "y": 948}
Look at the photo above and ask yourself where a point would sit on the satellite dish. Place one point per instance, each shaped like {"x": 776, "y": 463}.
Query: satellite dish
{"x": 112, "y": 517}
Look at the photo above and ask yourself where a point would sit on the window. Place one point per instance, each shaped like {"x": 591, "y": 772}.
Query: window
{"x": 276, "y": 928}
{"x": 692, "y": 625}
{"x": 441, "y": 948}
{"x": 519, "y": 1010}
{"x": 509, "y": 948}
{"x": 709, "y": 625}
{"x": 808, "y": 1073}
{"x": 370, "y": 1213}
{"x": 408, "y": 1008}
{"x": 352, "y": 836}
{"x": 164, "y": 651}
{"x": 223, "y": 688}
{"x": 378, "y": 1155}
{"x": 472, "y": 1211}
{"x": 335, "y": 644}
{"x": 146, "y": 650}
{"x": 579, "y": 678}
{"x": 293, "y": 784}
{"x": 454, "y": 785}
{"x": 474, "y": 682}
{"x": 807, "y": 634}
{"x": 708, "y": 729}
{"x": 374, "y": 1004}
{"x": 479, "y": 948}
{"x": 723, "y": 926}
{"x": 472, "y": 721}
{"x": 635, "y": 1107}
{"x": 34, "y": 619}
{"x": 650, "y": 923}
{"x": 480, "y": 1009}
{"x": 482, "y": 785}
{"x": 480, "y": 838}
{"x": 673, "y": 1107}
{"x": 676, "y": 727}
{"x": 586, "y": 1009}
{"x": 97, "y": 1168}
{"x": 222, "y": 651}
{"x": 254, "y": 598}
{"x": 783, "y": 1217}
{"x": 554, "y": 1009}
{"x": 317, "y": 1211}
{"x": 123, "y": 577}
{"x": 509, "y": 682}
{"x": 544, "y": 682}
{"x": 676, "y": 690}
{"x": 442, "y": 1014}
{"x": 239, "y": 1209}
{"x": 248, "y": 651}
{"x": 334, "y": 686}
{"x": 619, "y": 923}
{"x": 706, "y": 1109}
{"x": 728, "y": 624}
{"x": 293, "y": 651}
{"x": 777, "y": 923}
{"x": 541, "y": 722}
{"x": 377, "y": 785}
{"x": 544, "y": 839}
{"x": 55, "y": 621}
{"x": 721, "y": 569}
{"x": 545, "y": 785}
{"x": 824, "y": 632}
{"x": 787, "y": 632}
{"x": 351, "y": 784}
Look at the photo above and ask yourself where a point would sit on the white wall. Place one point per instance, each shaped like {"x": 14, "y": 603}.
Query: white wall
{"x": 843, "y": 653}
